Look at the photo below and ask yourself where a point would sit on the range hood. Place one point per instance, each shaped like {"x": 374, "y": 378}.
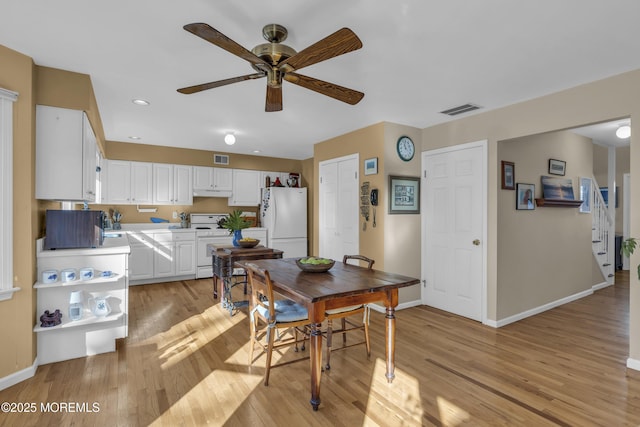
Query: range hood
{"x": 207, "y": 192}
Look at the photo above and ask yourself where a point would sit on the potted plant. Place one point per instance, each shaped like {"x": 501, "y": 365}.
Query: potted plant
{"x": 627, "y": 248}
{"x": 235, "y": 223}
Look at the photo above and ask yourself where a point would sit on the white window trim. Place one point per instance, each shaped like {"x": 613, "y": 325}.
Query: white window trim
{"x": 7, "y": 98}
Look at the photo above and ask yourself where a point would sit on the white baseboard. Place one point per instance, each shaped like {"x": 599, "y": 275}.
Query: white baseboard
{"x": 633, "y": 364}
{"x": 600, "y": 286}
{"x": 538, "y": 310}
{"x": 19, "y": 376}
{"x": 409, "y": 304}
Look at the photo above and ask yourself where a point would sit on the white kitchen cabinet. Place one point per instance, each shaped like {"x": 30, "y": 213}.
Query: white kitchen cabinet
{"x": 158, "y": 256}
{"x": 141, "y": 256}
{"x": 246, "y": 188}
{"x": 208, "y": 181}
{"x": 129, "y": 182}
{"x": 172, "y": 184}
{"x": 65, "y": 155}
{"x": 91, "y": 334}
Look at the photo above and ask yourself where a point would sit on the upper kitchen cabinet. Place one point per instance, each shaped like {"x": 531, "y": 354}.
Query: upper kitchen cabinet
{"x": 246, "y": 188}
{"x": 172, "y": 184}
{"x": 65, "y": 155}
{"x": 212, "y": 182}
{"x": 129, "y": 182}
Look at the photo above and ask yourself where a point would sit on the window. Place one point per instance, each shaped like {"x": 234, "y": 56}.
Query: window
{"x": 7, "y": 98}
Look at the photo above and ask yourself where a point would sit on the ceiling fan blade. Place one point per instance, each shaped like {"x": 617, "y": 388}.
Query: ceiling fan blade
{"x": 204, "y": 86}
{"x": 335, "y": 91}
{"x": 210, "y": 34}
{"x": 342, "y": 41}
{"x": 274, "y": 99}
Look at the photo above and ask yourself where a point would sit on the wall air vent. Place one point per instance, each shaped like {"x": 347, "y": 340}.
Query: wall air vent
{"x": 220, "y": 159}
{"x": 460, "y": 109}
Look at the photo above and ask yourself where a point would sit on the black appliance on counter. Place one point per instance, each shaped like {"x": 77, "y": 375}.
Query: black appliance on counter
{"x": 71, "y": 229}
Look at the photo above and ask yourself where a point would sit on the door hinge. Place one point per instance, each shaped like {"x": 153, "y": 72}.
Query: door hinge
{"x": 425, "y": 174}
{"x": 424, "y": 283}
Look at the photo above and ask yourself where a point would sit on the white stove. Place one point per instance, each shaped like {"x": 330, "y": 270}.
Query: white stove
{"x": 208, "y": 232}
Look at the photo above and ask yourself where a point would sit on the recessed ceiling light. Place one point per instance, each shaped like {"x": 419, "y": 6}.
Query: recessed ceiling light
{"x": 230, "y": 139}
{"x": 257, "y": 151}
{"x": 135, "y": 137}
{"x": 140, "y": 102}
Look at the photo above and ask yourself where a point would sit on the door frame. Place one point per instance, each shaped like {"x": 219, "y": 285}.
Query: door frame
{"x": 483, "y": 144}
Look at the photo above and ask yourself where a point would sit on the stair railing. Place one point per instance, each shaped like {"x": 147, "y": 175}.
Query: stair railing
{"x": 601, "y": 233}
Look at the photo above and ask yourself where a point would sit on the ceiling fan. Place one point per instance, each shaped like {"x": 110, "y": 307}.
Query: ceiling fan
{"x": 279, "y": 62}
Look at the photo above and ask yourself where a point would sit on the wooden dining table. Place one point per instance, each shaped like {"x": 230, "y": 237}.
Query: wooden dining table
{"x": 343, "y": 285}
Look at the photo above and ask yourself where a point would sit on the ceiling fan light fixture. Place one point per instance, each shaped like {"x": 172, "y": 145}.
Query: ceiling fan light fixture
{"x": 229, "y": 139}
{"x": 623, "y": 132}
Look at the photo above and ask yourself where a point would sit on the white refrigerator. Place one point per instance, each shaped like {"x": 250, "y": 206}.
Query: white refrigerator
{"x": 284, "y": 215}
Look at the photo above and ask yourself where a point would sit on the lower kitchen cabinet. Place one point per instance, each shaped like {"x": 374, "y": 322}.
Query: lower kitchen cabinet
{"x": 162, "y": 256}
{"x": 104, "y": 300}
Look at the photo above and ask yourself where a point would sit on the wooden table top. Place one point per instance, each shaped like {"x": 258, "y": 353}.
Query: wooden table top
{"x": 342, "y": 280}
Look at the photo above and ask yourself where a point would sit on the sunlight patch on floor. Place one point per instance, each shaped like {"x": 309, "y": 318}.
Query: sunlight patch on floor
{"x": 218, "y": 393}
{"x": 451, "y": 414}
{"x": 400, "y": 400}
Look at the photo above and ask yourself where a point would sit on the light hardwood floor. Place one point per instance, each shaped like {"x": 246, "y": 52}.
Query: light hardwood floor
{"x": 185, "y": 363}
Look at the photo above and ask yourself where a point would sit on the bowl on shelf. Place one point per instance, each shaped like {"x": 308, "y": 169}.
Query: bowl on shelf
{"x": 321, "y": 265}
{"x": 248, "y": 243}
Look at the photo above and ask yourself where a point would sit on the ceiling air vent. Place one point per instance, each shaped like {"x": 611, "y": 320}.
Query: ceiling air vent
{"x": 220, "y": 159}
{"x": 460, "y": 109}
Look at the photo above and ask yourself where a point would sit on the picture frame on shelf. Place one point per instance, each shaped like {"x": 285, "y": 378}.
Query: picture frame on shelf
{"x": 508, "y": 175}
{"x": 557, "y": 167}
{"x": 371, "y": 166}
{"x": 404, "y": 195}
{"x": 525, "y": 194}
{"x": 585, "y": 195}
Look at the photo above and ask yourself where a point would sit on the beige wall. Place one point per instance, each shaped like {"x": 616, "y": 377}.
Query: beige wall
{"x": 608, "y": 99}
{"x": 542, "y": 252}
{"x": 394, "y": 243}
{"x": 18, "y": 314}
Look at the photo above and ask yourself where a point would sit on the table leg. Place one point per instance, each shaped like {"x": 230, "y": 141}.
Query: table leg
{"x": 390, "y": 350}
{"x": 215, "y": 286}
{"x": 315, "y": 354}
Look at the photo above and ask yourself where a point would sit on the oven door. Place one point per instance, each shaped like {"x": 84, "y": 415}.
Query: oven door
{"x": 205, "y": 263}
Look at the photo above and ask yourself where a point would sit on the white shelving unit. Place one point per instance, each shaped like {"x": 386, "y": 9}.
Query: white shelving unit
{"x": 91, "y": 334}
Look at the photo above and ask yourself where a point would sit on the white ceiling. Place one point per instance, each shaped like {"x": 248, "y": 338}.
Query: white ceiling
{"x": 419, "y": 58}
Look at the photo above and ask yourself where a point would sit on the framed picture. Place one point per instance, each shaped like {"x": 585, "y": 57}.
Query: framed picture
{"x": 371, "y": 166}
{"x": 557, "y": 167}
{"x": 508, "y": 176}
{"x": 524, "y": 196}
{"x": 605, "y": 196}
{"x": 404, "y": 195}
{"x": 557, "y": 188}
{"x": 585, "y": 195}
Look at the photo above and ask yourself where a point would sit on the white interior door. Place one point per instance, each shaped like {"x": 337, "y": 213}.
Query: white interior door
{"x": 338, "y": 207}
{"x": 454, "y": 202}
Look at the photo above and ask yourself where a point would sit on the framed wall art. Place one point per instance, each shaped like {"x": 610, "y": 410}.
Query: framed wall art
{"x": 524, "y": 196}
{"x": 371, "y": 166}
{"x": 557, "y": 167}
{"x": 508, "y": 176}
{"x": 404, "y": 195}
{"x": 585, "y": 194}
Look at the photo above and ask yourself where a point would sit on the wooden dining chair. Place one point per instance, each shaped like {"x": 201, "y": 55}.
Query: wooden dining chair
{"x": 269, "y": 315}
{"x": 344, "y": 313}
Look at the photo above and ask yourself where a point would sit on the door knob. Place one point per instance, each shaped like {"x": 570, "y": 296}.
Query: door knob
{"x": 476, "y": 242}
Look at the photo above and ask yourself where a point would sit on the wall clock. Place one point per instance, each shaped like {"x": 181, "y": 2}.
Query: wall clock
{"x": 405, "y": 148}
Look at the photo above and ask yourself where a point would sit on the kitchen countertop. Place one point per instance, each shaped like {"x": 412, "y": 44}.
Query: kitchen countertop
{"x": 110, "y": 246}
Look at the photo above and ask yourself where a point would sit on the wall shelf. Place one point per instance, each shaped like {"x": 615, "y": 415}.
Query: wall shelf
{"x": 560, "y": 203}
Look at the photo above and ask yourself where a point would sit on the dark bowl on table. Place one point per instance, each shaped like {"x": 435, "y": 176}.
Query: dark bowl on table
{"x": 248, "y": 243}
{"x": 314, "y": 268}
